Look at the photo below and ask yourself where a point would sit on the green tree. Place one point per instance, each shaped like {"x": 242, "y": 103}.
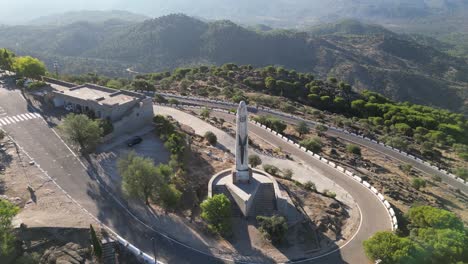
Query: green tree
{"x": 273, "y": 228}
{"x": 142, "y": 85}
{"x": 302, "y": 128}
{"x": 169, "y": 197}
{"x": 7, "y": 58}
{"x": 442, "y": 245}
{"x": 391, "y": 249}
{"x": 82, "y": 130}
{"x": 164, "y": 127}
{"x": 175, "y": 143}
{"x": 29, "y": 67}
{"x": 7, "y": 239}
{"x": 97, "y": 247}
{"x": 270, "y": 83}
{"x": 211, "y": 138}
{"x": 139, "y": 176}
{"x": 254, "y": 160}
{"x": 217, "y": 212}
{"x": 430, "y": 217}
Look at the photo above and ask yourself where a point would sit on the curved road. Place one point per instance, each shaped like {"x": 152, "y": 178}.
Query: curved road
{"x": 339, "y": 134}
{"x": 135, "y": 225}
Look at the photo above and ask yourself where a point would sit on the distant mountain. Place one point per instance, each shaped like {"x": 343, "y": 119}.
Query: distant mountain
{"x": 87, "y": 16}
{"x": 367, "y": 56}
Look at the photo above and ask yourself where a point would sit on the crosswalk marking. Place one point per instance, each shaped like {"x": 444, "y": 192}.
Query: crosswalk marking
{"x": 8, "y": 120}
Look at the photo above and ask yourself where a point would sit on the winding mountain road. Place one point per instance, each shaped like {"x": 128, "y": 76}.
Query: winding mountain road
{"x": 338, "y": 134}
{"x": 39, "y": 140}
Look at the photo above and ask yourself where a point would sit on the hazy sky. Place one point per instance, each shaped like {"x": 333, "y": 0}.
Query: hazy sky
{"x": 17, "y": 11}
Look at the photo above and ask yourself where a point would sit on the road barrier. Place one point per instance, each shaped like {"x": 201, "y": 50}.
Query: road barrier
{"x": 266, "y": 109}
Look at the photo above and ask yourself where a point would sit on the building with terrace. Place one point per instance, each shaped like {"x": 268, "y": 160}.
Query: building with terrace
{"x": 126, "y": 110}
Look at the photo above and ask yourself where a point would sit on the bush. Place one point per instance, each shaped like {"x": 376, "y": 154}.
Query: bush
{"x": 462, "y": 173}
{"x": 2, "y": 134}
{"x": 205, "y": 113}
{"x": 211, "y": 138}
{"x": 437, "y": 178}
{"x": 329, "y": 193}
{"x": 418, "y": 183}
{"x": 310, "y": 186}
{"x": 353, "y": 149}
{"x": 288, "y": 174}
{"x": 217, "y": 212}
{"x": 36, "y": 84}
{"x": 390, "y": 249}
{"x": 312, "y": 144}
{"x": 160, "y": 99}
{"x": 254, "y": 160}
{"x": 271, "y": 169}
{"x": 173, "y": 101}
{"x": 430, "y": 217}
{"x": 273, "y": 228}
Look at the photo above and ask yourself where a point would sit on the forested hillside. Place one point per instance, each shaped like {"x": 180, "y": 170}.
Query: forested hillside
{"x": 368, "y": 57}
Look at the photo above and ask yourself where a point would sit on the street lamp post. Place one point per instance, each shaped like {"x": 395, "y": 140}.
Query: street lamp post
{"x": 153, "y": 242}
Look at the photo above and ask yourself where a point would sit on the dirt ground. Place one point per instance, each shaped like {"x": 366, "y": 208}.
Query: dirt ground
{"x": 387, "y": 176}
{"x": 45, "y": 205}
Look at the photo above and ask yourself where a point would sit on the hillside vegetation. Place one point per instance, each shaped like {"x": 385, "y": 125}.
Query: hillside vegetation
{"x": 368, "y": 57}
{"x": 424, "y": 131}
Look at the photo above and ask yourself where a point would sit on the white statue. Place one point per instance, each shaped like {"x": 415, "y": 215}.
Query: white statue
{"x": 242, "y": 170}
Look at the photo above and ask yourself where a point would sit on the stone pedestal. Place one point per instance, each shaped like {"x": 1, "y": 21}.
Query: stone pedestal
{"x": 241, "y": 176}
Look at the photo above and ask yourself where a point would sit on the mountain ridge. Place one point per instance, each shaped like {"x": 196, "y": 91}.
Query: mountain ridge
{"x": 371, "y": 58}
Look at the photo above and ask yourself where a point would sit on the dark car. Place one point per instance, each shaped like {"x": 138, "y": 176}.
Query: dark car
{"x": 134, "y": 141}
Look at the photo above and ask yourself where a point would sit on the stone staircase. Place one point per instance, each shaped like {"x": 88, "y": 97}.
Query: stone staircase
{"x": 236, "y": 211}
{"x": 108, "y": 252}
{"x": 264, "y": 201}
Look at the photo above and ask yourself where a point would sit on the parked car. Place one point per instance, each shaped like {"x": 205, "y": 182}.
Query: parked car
{"x": 134, "y": 141}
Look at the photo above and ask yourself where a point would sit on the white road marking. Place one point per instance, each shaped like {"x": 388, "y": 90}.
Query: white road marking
{"x": 7, "y": 120}
{"x": 19, "y": 117}
{"x": 25, "y": 116}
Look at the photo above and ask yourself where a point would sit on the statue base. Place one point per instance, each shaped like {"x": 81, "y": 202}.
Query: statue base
{"x": 241, "y": 176}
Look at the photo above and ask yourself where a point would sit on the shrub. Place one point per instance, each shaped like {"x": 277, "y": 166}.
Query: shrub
{"x": 205, "y": 113}
{"x": 273, "y": 228}
{"x": 160, "y": 99}
{"x": 312, "y": 144}
{"x": 217, "y": 212}
{"x": 437, "y": 178}
{"x": 462, "y": 173}
{"x": 310, "y": 186}
{"x": 211, "y": 138}
{"x": 418, "y": 183}
{"x": 353, "y": 149}
{"x": 36, "y": 84}
{"x": 389, "y": 248}
{"x": 254, "y": 160}
{"x": 173, "y": 101}
{"x": 329, "y": 193}
{"x": 271, "y": 169}
{"x": 288, "y": 174}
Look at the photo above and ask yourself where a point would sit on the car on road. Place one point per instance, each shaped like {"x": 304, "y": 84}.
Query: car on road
{"x": 134, "y": 141}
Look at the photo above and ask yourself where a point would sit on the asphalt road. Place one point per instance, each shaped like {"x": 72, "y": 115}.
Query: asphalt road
{"x": 46, "y": 148}
{"x": 348, "y": 137}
